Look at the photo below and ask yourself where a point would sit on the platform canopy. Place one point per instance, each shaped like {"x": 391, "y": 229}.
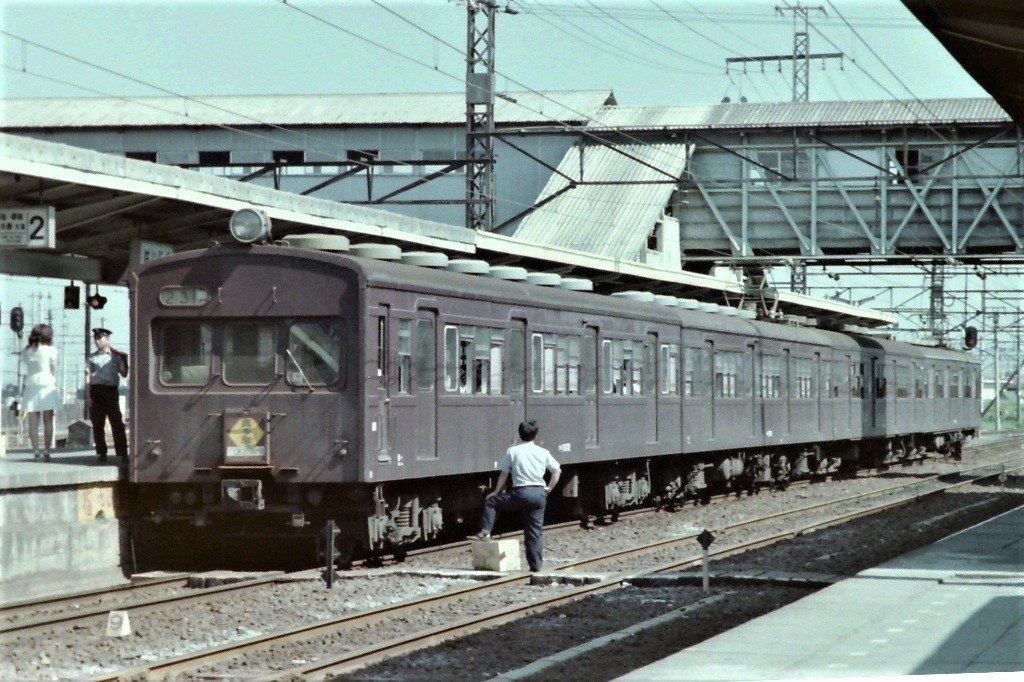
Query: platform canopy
{"x": 987, "y": 38}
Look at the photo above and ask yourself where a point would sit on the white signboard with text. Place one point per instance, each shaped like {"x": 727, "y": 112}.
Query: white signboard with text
{"x": 28, "y": 227}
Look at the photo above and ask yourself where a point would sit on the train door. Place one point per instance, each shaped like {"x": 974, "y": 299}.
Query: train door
{"x": 649, "y": 386}
{"x": 708, "y": 362}
{"x": 588, "y": 386}
{"x": 817, "y": 388}
{"x": 787, "y": 390}
{"x": 426, "y": 360}
{"x": 382, "y": 409}
{"x": 517, "y": 372}
{"x": 755, "y": 391}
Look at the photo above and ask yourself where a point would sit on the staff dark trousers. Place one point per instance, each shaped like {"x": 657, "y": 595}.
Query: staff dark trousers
{"x": 105, "y": 405}
{"x": 529, "y": 501}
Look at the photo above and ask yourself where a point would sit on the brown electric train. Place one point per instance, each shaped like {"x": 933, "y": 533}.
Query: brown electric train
{"x": 277, "y": 388}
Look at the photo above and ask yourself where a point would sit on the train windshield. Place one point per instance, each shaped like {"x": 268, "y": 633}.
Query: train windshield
{"x": 250, "y": 352}
{"x": 187, "y": 353}
{"x": 313, "y": 352}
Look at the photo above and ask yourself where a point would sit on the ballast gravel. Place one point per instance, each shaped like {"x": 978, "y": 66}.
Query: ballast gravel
{"x": 82, "y": 652}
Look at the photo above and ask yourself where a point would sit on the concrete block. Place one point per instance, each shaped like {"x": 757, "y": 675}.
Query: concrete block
{"x": 496, "y": 555}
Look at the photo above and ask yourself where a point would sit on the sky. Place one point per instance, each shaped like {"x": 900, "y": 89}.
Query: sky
{"x": 650, "y": 52}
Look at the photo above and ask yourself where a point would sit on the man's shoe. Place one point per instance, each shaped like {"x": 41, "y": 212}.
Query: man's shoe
{"x": 480, "y": 536}
{"x": 101, "y": 458}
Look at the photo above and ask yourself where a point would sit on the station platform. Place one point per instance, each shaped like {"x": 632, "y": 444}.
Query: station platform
{"x": 954, "y": 607}
{"x": 60, "y": 523}
{"x": 67, "y": 466}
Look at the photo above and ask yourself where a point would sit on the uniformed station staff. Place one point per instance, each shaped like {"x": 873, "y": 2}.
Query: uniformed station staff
{"x": 106, "y": 366}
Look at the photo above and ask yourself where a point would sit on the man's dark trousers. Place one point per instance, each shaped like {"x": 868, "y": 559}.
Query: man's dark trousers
{"x": 529, "y": 501}
{"x": 106, "y": 405}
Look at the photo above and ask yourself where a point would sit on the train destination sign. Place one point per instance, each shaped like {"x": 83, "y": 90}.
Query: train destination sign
{"x": 28, "y": 227}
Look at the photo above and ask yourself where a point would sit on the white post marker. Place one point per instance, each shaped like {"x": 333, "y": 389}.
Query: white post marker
{"x": 705, "y": 539}
{"x": 117, "y": 624}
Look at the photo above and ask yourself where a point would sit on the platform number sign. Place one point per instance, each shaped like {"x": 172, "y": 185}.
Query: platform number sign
{"x": 28, "y": 227}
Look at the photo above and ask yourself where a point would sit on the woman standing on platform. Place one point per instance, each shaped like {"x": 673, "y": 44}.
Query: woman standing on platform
{"x": 40, "y": 395}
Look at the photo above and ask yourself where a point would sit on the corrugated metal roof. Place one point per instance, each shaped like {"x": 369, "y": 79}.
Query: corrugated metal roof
{"x": 607, "y": 220}
{"x": 573, "y": 106}
{"x": 806, "y": 114}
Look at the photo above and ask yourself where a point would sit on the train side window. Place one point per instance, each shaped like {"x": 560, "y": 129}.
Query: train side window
{"x": 467, "y": 337}
{"x": 551, "y": 364}
{"x": 771, "y": 377}
{"x": 728, "y": 369}
{"x": 691, "y": 373}
{"x": 516, "y": 365}
{"x": 632, "y": 367}
{"x": 481, "y": 360}
{"x": 496, "y": 349}
{"x": 969, "y": 384}
{"x": 940, "y": 384}
{"x": 537, "y": 358}
{"x": 186, "y": 355}
{"x": 607, "y": 381}
{"x": 451, "y": 358}
{"x": 573, "y": 384}
{"x": 250, "y": 353}
{"x": 425, "y": 355}
{"x": 588, "y": 365}
{"x": 315, "y": 349}
{"x": 902, "y": 381}
{"x": 561, "y": 351}
{"x": 404, "y": 356}
{"x": 954, "y": 385}
{"x": 669, "y": 368}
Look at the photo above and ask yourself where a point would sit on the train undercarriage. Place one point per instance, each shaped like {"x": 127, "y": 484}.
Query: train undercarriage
{"x": 375, "y": 521}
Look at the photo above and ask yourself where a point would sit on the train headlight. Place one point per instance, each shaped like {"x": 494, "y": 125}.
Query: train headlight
{"x": 249, "y": 225}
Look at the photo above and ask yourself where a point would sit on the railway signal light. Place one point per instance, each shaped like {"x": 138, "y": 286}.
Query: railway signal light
{"x": 17, "y": 320}
{"x": 970, "y": 337}
{"x": 96, "y": 302}
{"x": 72, "y": 297}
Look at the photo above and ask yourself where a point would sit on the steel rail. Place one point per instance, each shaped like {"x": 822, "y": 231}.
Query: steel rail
{"x": 10, "y": 632}
{"x": 376, "y": 653}
{"x": 13, "y": 609}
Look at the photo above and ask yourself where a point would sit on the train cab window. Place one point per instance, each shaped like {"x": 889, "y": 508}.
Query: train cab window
{"x": 969, "y": 384}
{"x": 954, "y": 385}
{"x": 451, "y": 358}
{"x": 314, "y": 353}
{"x": 940, "y": 383}
{"x": 670, "y": 369}
{"x": 404, "y": 352}
{"x": 185, "y": 353}
{"x": 250, "y": 353}
{"x": 920, "y": 382}
{"x": 482, "y": 360}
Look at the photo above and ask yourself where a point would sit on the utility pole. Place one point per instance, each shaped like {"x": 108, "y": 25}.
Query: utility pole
{"x": 480, "y": 114}
{"x": 801, "y": 57}
{"x": 937, "y": 302}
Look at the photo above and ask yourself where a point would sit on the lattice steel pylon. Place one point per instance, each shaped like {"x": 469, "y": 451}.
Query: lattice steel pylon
{"x": 937, "y": 302}
{"x": 480, "y": 115}
{"x": 801, "y": 50}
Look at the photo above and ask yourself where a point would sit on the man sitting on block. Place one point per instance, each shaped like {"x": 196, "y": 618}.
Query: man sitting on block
{"x": 526, "y": 464}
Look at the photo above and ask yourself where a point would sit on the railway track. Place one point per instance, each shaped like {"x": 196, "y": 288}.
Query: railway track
{"x": 424, "y": 637}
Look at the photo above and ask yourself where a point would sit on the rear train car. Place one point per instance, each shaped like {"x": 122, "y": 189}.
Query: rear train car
{"x": 277, "y": 388}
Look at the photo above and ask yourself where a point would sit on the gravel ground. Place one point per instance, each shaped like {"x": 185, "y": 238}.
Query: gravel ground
{"x": 842, "y": 550}
{"x": 84, "y": 651}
